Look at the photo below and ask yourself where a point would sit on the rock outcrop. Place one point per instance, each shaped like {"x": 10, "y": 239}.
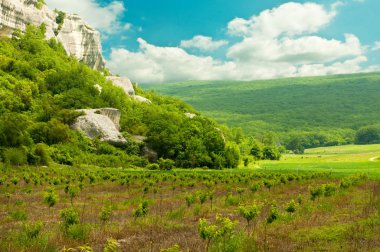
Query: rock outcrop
{"x": 142, "y": 99}
{"x": 103, "y": 123}
{"x": 78, "y": 38}
{"x": 123, "y": 83}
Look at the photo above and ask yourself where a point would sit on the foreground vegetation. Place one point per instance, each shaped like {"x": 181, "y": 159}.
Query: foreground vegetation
{"x": 57, "y": 208}
{"x": 312, "y": 111}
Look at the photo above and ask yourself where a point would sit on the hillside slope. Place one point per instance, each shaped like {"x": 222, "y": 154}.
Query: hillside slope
{"x": 312, "y": 104}
{"x": 41, "y": 88}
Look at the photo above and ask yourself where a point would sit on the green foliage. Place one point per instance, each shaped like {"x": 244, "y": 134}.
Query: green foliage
{"x": 223, "y": 227}
{"x": 316, "y": 191}
{"x": 165, "y": 164}
{"x": 271, "y": 153}
{"x": 174, "y": 248}
{"x": 41, "y": 88}
{"x": 141, "y": 210}
{"x": 33, "y": 230}
{"x": 15, "y": 156}
{"x": 322, "y": 111}
{"x": 249, "y": 212}
{"x": 273, "y": 213}
{"x": 70, "y": 216}
{"x": 368, "y": 135}
{"x": 112, "y": 246}
{"x": 190, "y": 199}
{"x": 291, "y": 206}
{"x": 50, "y": 198}
{"x": 105, "y": 213}
{"x": 153, "y": 167}
{"x": 39, "y": 4}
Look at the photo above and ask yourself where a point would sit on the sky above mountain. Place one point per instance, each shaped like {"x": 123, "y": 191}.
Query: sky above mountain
{"x": 176, "y": 40}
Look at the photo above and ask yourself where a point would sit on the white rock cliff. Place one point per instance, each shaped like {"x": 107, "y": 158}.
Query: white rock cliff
{"x": 103, "y": 123}
{"x": 78, "y": 38}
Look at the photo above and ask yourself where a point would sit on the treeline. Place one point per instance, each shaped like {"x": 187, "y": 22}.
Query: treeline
{"x": 41, "y": 88}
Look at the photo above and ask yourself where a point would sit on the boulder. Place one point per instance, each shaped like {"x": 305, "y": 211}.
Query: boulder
{"x": 103, "y": 123}
{"x": 123, "y": 83}
{"x": 142, "y": 99}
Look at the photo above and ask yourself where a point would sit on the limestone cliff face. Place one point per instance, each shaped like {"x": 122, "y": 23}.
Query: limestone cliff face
{"x": 78, "y": 39}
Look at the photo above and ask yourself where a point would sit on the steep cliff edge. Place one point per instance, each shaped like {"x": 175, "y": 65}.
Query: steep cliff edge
{"x": 78, "y": 38}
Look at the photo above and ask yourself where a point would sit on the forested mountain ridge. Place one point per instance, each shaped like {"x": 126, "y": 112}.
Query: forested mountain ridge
{"x": 322, "y": 111}
{"x": 41, "y": 88}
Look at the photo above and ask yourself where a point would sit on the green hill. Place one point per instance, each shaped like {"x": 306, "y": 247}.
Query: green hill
{"x": 335, "y": 105}
{"x": 41, "y": 88}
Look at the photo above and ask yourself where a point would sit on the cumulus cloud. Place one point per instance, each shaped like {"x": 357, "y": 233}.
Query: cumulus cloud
{"x": 203, "y": 43}
{"x": 104, "y": 18}
{"x": 159, "y": 64}
{"x": 280, "y": 42}
{"x": 288, "y": 19}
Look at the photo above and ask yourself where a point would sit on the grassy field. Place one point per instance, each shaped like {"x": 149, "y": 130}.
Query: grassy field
{"x": 326, "y": 199}
{"x": 307, "y": 104}
{"x": 339, "y": 160}
{"x": 137, "y": 210}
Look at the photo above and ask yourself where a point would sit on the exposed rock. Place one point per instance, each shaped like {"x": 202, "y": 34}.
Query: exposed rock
{"x": 124, "y": 83}
{"x": 103, "y": 123}
{"x": 78, "y": 39}
{"x": 190, "y": 115}
{"x": 142, "y": 99}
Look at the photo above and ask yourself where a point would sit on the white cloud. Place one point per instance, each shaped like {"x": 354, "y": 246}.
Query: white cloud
{"x": 295, "y": 50}
{"x": 280, "y": 42}
{"x": 288, "y": 19}
{"x": 376, "y": 46}
{"x": 127, "y": 26}
{"x": 203, "y": 43}
{"x": 165, "y": 64}
{"x": 104, "y": 18}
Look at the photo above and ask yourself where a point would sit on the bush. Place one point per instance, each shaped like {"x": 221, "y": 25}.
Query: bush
{"x": 70, "y": 216}
{"x": 165, "y": 164}
{"x": 368, "y": 135}
{"x": 153, "y": 167}
{"x": 15, "y": 156}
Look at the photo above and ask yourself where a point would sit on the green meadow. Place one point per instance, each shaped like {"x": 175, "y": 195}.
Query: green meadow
{"x": 339, "y": 160}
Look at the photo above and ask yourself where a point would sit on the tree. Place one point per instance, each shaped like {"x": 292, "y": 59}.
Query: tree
{"x": 368, "y": 135}
{"x": 271, "y": 153}
{"x": 257, "y": 150}
{"x": 249, "y": 213}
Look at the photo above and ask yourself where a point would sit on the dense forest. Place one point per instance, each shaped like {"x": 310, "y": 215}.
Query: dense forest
{"x": 301, "y": 112}
{"x": 41, "y": 88}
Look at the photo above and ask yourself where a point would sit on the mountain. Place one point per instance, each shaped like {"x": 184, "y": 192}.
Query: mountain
{"x": 335, "y": 105}
{"x": 77, "y": 37}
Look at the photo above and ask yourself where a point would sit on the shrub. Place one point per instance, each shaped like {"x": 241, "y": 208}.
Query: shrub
{"x": 15, "y": 156}
{"x": 141, "y": 210}
{"x": 50, "y": 197}
{"x": 273, "y": 213}
{"x": 291, "y": 206}
{"x": 153, "y": 167}
{"x": 111, "y": 246}
{"x": 70, "y": 216}
{"x": 249, "y": 213}
{"x": 105, "y": 214}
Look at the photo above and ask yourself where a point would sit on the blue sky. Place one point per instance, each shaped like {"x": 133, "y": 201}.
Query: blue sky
{"x": 175, "y": 40}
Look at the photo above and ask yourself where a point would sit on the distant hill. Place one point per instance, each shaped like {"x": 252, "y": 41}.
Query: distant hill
{"x": 311, "y": 104}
